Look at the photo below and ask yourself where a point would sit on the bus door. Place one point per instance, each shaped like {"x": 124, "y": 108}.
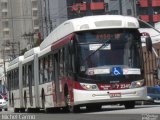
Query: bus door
{"x": 56, "y": 77}
{"x": 30, "y": 74}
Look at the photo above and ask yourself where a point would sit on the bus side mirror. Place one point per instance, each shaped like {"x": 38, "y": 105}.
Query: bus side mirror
{"x": 147, "y": 39}
{"x": 149, "y": 44}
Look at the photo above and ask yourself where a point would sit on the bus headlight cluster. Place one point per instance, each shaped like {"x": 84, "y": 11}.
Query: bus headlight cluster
{"x": 137, "y": 84}
{"x": 87, "y": 86}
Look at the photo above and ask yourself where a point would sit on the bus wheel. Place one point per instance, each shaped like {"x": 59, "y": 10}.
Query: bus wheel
{"x": 25, "y": 100}
{"x": 22, "y": 110}
{"x": 129, "y": 105}
{"x": 25, "y": 103}
{"x": 69, "y": 107}
{"x": 16, "y": 110}
{"x": 43, "y": 101}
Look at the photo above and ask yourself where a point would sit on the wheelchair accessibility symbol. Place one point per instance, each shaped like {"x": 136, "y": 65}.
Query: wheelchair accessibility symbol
{"x": 117, "y": 71}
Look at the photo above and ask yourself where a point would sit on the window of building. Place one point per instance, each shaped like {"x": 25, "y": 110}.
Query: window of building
{"x": 6, "y": 34}
{"x": 36, "y": 22}
{"x": 4, "y": 14}
{"x": 129, "y": 12}
{"x": 114, "y": 12}
{"x": 34, "y": 4}
{"x": 35, "y": 13}
{"x": 5, "y": 24}
{"x": 4, "y": 5}
{"x": 143, "y": 11}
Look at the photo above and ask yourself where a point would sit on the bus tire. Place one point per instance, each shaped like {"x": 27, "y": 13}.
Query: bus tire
{"x": 25, "y": 100}
{"x": 129, "y": 105}
{"x": 69, "y": 107}
{"x": 22, "y": 110}
{"x": 43, "y": 101}
{"x": 12, "y": 100}
{"x": 16, "y": 110}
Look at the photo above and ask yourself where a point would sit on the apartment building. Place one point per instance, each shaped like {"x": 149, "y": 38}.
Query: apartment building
{"x": 19, "y": 20}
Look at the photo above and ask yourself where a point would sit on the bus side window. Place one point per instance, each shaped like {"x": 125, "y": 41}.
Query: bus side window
{"x": 61, "y": 55}
{"x": 25, "y": 76}
{"x": 32, "y": 67}
{"x": 16, "y": 79}
{"x": 66, "y": 60}
{"x": 45, "y": 69}
{"x": 41, "y": 71}
{"x": 52, "y": 67}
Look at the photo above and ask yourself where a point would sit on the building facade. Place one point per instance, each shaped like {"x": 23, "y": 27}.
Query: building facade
{"x": 18, "y": 18}
{"x": 149, "y": 10}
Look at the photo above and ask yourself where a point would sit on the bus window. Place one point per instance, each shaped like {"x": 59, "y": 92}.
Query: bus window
{"x": 50, "y": 67}
{"x": 45, "y": 69}
{"x": 41, "y": 71}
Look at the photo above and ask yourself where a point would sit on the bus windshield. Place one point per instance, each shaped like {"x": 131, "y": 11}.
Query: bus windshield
{"x": 105, "y": 49}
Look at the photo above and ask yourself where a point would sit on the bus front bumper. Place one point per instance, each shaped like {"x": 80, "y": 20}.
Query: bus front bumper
{"x": 111, "y": 96}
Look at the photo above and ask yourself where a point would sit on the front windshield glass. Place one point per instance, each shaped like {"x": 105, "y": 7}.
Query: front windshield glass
{"x": 107, "y": 49}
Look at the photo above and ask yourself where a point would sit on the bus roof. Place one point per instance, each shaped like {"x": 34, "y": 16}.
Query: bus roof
{"x": 29, "y": 55}
{"x": 14, "y": 63}
{"x": 89, "y": 23}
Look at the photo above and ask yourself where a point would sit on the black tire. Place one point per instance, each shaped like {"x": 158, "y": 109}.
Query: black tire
{"x": 130, "y": 105}
{"x": 6, "y": 109}
{"x": 43, "y": 101}
{"x": 16, "y": 110}
{"x": 70, "y": 108}
{"x": 22, "y": 110}
{"x": 0, "y": 109}
{"x": 25, "y": 100}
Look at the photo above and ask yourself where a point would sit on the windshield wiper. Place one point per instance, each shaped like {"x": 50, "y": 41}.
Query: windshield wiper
{"x": 103, "y": 45}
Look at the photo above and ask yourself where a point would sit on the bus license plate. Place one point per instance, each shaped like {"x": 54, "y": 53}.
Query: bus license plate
{"x": 115, "y": 94}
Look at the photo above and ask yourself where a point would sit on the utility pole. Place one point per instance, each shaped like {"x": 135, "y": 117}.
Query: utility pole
{"x": 134, "y": 7}
{"x": 120, "y": 7}
{"x": 49, "y": 17}
{"x": 45, "y": 17}
{"x": 4, "y": 64}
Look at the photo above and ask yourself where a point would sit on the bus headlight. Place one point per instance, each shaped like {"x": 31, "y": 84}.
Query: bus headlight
{"x": 87, "y": 86}
{"x": 137, "y": 84}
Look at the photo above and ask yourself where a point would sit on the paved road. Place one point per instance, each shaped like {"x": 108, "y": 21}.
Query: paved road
{"x": 146, "y": 112}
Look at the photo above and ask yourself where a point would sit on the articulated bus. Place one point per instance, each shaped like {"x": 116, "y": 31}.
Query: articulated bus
{"x": 14, "y": 82}
{"x": 89, "y": 61}
{"x": 30, "y": 77}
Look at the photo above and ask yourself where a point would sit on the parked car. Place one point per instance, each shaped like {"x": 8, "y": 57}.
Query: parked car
{"x": 153, "y": 94}
{"x": 3, "y": 103}
{"x": 4, "y": 96}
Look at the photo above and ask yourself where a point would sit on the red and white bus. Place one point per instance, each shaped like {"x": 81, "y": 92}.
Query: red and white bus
{"x": 90, "y": 61}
